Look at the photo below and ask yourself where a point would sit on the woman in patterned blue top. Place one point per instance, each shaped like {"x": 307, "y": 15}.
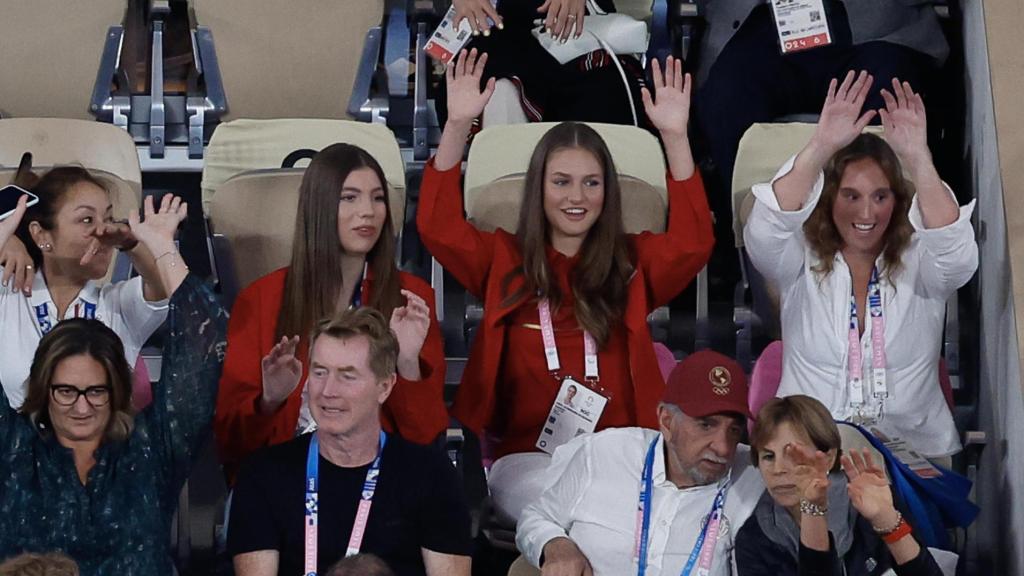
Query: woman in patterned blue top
{"x": 78, "y": 472}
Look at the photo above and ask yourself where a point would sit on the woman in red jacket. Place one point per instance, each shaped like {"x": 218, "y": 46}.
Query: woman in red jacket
{"x": 570, "y": 286}
{"x": 343, "y": 254}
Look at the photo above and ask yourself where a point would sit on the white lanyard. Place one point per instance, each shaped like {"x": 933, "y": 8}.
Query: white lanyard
{"x": 855, "y": 360}
{"x": 547, "y": 332}
{"x": 355, "y": 540}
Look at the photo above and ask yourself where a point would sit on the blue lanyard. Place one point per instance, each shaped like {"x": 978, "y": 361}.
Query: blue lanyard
{"x": 644, "y": 510}
{"x": 312, "y": 502}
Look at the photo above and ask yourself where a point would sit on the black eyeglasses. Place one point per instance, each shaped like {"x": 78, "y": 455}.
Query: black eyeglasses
{"x": 67, "y": 395}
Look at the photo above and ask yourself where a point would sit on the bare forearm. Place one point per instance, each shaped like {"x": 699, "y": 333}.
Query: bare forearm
{"x": 814, "y": 532}
{"x": 938, "y": 208}
{"x": 170, "y": 267}
{"x": 793, "y": 189}
{"x": 409, "y": 368}
{"x": 452, "y": 145}
{"x": 678, "y": 155}
{"x": 152, "y": 284}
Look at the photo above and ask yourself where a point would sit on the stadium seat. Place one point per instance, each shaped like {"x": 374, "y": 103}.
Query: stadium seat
{"x": 496, "y": 171}
{"x": 762, "y": 150}
{"x": 288, "y": 59}
{"x": 68, "y": 39}
{"x": 252, "y": 212}
{"x": 103, "y": 149}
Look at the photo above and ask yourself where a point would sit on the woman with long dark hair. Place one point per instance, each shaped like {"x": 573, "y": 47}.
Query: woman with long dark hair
{"x": 865, "y": 244}
{"x": 343, "y": 254}
{"x": 569, "y": 285}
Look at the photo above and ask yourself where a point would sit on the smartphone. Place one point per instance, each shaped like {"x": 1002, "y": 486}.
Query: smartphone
{"x": 9, "y": 196}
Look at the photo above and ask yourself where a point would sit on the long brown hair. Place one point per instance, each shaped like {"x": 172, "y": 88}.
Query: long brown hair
{"x": 75, "y": 337}
{"x": 599, "y": 280}
{"x": 820, "y": 229}
{"x": 314, "y": 280}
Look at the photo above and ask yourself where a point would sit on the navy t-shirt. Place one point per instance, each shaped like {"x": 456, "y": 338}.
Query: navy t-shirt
{"x": 418, "y": 504}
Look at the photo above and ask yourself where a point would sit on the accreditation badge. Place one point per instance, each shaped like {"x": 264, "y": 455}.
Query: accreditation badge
{"x": 801, "y": 24}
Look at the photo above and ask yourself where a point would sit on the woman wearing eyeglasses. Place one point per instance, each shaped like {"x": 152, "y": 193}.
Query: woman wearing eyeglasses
{"x": 79, "y": 472}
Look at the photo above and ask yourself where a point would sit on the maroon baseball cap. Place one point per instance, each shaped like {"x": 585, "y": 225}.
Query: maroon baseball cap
{"x": 706, "y": 383}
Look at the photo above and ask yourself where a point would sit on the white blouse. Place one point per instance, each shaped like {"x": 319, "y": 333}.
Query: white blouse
{"x": 816, "y": 317}
{"x": 24, "y": 320}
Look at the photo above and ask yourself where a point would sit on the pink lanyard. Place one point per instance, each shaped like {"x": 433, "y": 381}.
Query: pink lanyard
{"x": 547, "y": 332}
{"x": 879, "y": 386}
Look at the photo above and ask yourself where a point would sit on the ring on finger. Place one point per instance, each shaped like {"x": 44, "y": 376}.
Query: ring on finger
{"x": 28, "y": 267}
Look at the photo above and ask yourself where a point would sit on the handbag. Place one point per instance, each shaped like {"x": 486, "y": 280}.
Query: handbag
{"x": 614, "y": 33}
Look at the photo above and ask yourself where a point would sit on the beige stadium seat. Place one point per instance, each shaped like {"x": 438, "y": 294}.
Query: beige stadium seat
{"x": 764, "y": 148}
{"x": 51, "y": 52}
{"x": 499, "y": 156}
{"x": 254, "y": 211}
{"x": 104, "y": 150}
{"x": 244, "y": 145}
{"x": 295, "y": 59}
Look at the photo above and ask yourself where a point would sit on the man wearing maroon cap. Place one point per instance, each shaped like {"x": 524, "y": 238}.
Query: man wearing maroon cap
{"x": 652, "y": 503}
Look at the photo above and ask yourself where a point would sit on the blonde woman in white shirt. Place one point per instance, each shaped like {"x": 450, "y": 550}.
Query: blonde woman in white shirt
{"x": 71, "y": 236}
{"x": 864, "y": 266}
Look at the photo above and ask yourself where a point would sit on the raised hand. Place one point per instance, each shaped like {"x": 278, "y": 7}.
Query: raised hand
{"x": 810, "y": 472}
{"x": 564, "y": 18}
{"x": 10, "y": 224}
{"x": 156, "y": 230}
{"x": 109, "y": 235}
{"x": 669, "y": 108}
{"x": 281, "y": 373}
{"x": 410, "y": 323}
{"x": 477, "y": 12}
{"x": 465, "y": 99}
{"x": 905, "y": 124}
{"x": 841, "y": 118}
{"x": 869, "y": 490}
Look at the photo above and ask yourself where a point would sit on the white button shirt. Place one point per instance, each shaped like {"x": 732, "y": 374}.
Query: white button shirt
{"x": 816, "y": 316}
{"x": 24, "y": 320}
{"x": 594, "y": 485}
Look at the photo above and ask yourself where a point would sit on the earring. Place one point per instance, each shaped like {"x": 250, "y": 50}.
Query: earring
{"x": 46, "y": 246}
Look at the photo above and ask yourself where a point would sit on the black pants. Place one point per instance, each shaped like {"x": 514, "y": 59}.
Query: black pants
{"x": 753, "y": 82}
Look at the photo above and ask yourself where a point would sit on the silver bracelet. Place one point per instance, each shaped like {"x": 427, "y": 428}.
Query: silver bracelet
{"x": 811, "y": 509}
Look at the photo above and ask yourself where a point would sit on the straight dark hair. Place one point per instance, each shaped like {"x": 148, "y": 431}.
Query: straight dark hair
{"x": 599, "y": 280}
{"x": 314, "y": 280}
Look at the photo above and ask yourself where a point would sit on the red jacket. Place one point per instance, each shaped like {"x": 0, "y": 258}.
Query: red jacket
{"x": 665, "y": 264}
{"x": 415, "y": 410}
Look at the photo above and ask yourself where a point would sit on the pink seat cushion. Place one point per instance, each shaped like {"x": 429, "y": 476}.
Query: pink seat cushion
{"x": 666, "y": 360}
{"x": 142, "y": 390}
{"x": 764, "y": 380}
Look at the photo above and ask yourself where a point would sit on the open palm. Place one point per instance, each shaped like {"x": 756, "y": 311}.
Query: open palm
{"x": 669, "y": 108}
{"x": 868, "y": 488}
{"x": 810, "y": 471}
{"x": 156, "y": 229}
{"x": 904, "y": 120}
{"x": 465, "y": 99}
{"x": 841, "y": 119}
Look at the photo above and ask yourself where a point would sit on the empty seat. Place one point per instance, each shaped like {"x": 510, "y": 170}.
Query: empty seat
{"x": 51, "y": 51}
{"x": 288, "y": 59}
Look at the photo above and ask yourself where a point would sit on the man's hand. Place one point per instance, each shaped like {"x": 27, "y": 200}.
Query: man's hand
{"x": 281, "y": 374}
{"x": 563, "y": 558}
